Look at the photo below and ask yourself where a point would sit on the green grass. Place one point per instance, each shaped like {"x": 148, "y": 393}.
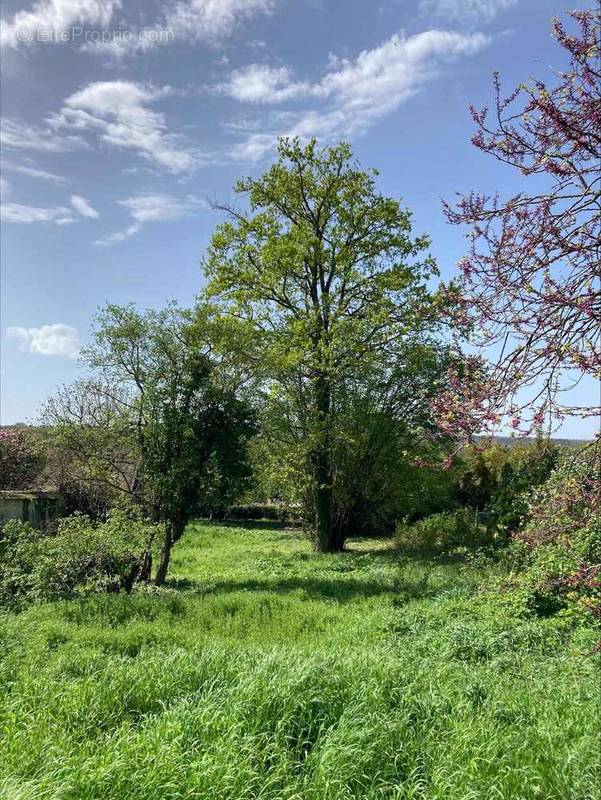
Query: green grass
{"x": 266, "y": 671}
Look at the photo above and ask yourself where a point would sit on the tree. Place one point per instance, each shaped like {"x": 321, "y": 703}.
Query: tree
{"x": 156, "y": 421}
{"x": 21, "y": 459}
{"x": 530, "y": 282}
{"x": 95, "y": 457}
{"x": 323, "y": 271}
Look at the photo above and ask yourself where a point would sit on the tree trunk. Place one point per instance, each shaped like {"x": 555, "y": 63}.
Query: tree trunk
{"x": 325, "y": 537}
{"x": 130, "y": 579}
{"x": 164, "y": 557}
{"x": 146, "y": 566}
{"x": 173, "y": 533}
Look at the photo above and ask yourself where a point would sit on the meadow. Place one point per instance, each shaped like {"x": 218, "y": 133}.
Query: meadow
{"x": 263, "y": 670}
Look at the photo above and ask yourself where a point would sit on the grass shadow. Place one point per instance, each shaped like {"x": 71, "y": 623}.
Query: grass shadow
{"x": 320, "y": 588}
{"x": 313, "y": 588}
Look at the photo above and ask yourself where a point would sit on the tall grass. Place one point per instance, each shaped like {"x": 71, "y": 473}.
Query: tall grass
{"x": 265, "y": 671}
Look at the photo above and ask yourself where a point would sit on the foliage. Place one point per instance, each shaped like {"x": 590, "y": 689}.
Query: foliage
{"x": 157, "y": 423}
{"x": 259, "y": 511}
{"x": 382, "y": 427}
{"x": 530, "y": 281}
{"x": 92, "y": 498}
{"x": 276, "y": 673}
{"x": 562, "y": 539}
{"x": 21, "y": 459}
{"x": 497, "y": 480}
{"x": 78, "y": 556}
{"x": 525, "y": 469}
{"x": 92, "y": 438}
{"x": 327, "y": 290}
{"x": 475, "y": 478}
{"x": 443, "y": 533}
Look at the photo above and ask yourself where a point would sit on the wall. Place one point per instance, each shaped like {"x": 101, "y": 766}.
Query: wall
{"x": 38, "y": 508}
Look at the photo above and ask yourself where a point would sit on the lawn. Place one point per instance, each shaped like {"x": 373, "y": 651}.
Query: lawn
{"x": 266, "y": 671}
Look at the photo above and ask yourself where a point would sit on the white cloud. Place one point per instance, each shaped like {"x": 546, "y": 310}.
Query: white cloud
{"x": 81, "y": 205}
{"x": 471, "y": 12}
{"x": 18, "y": 136}
{"x": 17, "y": 212}
{"x": 48, "y": 340}
{"x": 117, "y": 111}
{"x": 160, "y": 207}
{"x": 360, "y": 91}
{"x": 208, "y": 21}
{"x": 119, "y": 236}
{"x": 259, "y": 83}
{"x": 48, "y": 18}
{"x": 144, "y": 208}
{"x": 4, "y": 187}
{"x": 33, "y": 172}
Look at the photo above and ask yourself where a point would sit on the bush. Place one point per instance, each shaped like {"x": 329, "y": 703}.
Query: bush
{"x": 442, "y": 533}
{"x": 498, "y": 479}
{"x": 561, "y": 542}
{"x": 80, "y": 556}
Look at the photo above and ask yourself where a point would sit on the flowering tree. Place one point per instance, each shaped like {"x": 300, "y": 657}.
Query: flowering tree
{"x": 529, "y": 284}
{"x": 20, "y": 459}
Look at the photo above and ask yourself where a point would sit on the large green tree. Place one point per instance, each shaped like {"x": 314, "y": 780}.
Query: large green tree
{"x": 324, "y": 272}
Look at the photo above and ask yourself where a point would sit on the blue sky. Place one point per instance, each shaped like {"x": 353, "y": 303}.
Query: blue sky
{"x": 121, "y": 119}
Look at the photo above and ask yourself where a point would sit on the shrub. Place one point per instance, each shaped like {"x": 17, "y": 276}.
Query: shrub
{"x": 525, "y": 469}
{"x": 561, "y": 542}
{"x": 498, "y": 479}
{"x": 19, "y": 547}
{"x": 80, "y": 556}
{"x": 442, "y": 533}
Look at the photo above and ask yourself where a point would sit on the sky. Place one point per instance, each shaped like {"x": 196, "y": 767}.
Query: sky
{"x": 123, "y": 120}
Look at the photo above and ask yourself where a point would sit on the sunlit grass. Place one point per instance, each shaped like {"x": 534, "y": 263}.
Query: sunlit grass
{"x": 266, "y": 671}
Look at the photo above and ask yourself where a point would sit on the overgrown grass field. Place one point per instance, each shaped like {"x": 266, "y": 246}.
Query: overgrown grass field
{"x": 266, "y": 671}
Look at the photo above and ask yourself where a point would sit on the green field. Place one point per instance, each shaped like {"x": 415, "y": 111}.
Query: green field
{"x": 266, "y": 671}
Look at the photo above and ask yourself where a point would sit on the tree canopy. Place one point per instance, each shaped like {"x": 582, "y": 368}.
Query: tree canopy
{"x": 325, "y": 274}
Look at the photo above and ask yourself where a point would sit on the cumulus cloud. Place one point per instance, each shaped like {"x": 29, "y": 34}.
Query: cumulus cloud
{"x": 144, "y": 208}
{"x": 81, "y": 205}
{"x": 471, "y": 12}
{"x": 48, "y": 340}
{"x": 360, "y": 91}
{"x": 118, "y": 112}
{"x": 18, "y": 212}
{"x": 52, "y": 17}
